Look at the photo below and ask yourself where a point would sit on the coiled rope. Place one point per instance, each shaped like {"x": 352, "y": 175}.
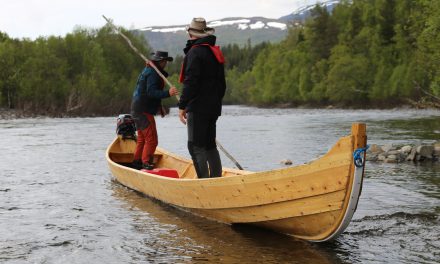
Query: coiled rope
{"x": 358, "y": 157}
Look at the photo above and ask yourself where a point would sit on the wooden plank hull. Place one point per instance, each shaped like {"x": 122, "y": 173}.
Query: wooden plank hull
{"x": 314, "y": 201}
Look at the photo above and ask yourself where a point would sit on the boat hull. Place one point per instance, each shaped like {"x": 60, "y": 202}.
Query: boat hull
{"x": 314, "y": 201}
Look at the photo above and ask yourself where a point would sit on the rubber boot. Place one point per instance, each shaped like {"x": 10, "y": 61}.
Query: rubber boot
{"x": 215, "y": 164}
{"x": 198, "y": 156}
{"x": 201, "y": 162}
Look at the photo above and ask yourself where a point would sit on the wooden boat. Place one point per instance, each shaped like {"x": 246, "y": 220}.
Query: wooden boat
{"x": 314, "y": 201}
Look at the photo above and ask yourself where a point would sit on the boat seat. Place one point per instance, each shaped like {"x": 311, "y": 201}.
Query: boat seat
{"x": 124, "y": 157}
{"x": 157, "y": 158}
{"x": 121, "y": 157}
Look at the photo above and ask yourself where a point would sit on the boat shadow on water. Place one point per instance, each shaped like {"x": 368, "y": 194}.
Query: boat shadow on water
{"x": 196, "y": 239}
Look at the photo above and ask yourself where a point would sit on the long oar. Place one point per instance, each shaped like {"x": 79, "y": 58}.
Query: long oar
{"x": 166, "y": 80}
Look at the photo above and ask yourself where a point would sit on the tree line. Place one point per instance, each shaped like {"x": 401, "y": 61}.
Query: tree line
{"x": 87, "y": 72}
{"x": 364, "y": 53}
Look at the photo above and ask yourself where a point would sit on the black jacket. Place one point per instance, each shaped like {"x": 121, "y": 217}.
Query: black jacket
{"x": 204, "y": 84}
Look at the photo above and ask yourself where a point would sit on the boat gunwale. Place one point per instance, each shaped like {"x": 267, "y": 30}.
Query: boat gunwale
{"x": 252, "y": 178}
{"x": 239, "y": 173}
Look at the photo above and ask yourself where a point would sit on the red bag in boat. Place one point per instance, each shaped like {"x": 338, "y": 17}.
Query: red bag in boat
{"x": 170, "y": 173}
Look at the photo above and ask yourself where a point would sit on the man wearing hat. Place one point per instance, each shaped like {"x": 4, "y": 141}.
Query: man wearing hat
{"x": 146, "y": 103}
{"x": 200, "y": 105}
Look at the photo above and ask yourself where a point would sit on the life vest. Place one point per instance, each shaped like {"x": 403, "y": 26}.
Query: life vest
{"x": 215, "y": 50}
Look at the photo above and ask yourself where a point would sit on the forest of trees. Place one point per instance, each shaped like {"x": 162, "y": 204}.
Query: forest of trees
{"x": 87, "y": 72}
{"x": 378, "y": 53}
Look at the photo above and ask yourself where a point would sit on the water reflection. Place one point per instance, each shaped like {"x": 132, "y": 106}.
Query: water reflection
{"x": 193, "y": 239}
{"x": 411, "y": 130}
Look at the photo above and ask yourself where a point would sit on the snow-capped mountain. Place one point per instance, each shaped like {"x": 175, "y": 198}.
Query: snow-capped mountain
{"x": 238, "y": 23}
{"x": 302, "y": 13}
{"x": 239, "y": 30}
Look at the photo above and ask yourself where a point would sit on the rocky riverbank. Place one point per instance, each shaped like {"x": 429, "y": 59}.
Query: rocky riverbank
{"x": 8, "y": 114}
{"x": 407, "y": 153}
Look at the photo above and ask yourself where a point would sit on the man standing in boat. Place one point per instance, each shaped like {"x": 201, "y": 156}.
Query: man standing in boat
{"x": 200, "y": 105}
{"x": 146, "y": 103}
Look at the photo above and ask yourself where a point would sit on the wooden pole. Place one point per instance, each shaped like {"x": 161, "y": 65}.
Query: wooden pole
{"x": 228, "y": 155}
{"x": 166, "y": 80}
{"x": 139, "y": 53}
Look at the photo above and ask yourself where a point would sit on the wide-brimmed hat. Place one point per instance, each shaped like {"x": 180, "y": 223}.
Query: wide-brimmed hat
{"x": 198, "y": 28}
{"x": 160, "y": 55}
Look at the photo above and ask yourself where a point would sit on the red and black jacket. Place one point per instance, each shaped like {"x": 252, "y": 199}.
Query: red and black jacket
{"x": 203, "y": 77}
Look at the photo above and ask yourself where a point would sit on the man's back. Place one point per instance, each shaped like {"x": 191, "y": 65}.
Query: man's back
{"x": 204, "y": 82}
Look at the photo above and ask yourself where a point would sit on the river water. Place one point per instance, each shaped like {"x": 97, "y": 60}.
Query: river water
{"x": 59, "y": 204}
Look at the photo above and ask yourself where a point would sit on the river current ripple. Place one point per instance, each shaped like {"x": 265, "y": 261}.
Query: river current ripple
{"x": 59, "y": 203}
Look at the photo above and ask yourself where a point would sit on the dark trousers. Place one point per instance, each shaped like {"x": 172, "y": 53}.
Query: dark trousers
{"x": 202, "y": 146}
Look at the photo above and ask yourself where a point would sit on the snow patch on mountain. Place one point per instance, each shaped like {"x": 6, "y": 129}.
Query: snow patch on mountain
{"x": 243, "y": 26}
{"x": 165, "y": 30}
{"x": 218, "y": 23}
{"x": 281, "y": 26}
{"x": 304, "y": 9}
{"x": 257, "y": 25}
